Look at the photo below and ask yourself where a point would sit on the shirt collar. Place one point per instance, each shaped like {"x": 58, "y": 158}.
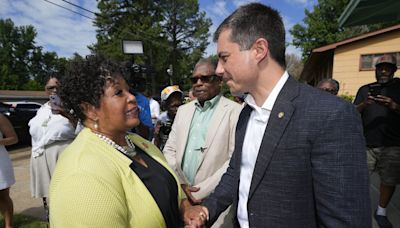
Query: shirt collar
{"x": 270, "y": 101}
{"x": 208, "y": 104}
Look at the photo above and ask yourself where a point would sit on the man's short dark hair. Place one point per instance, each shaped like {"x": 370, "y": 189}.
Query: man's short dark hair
{"x": 253, "y": 21}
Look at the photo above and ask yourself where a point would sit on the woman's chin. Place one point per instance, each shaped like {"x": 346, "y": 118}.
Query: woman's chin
{"x": 133, "y": 123}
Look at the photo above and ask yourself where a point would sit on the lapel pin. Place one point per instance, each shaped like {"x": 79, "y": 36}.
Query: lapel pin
{"x": 145, "y": 145}
{"x": 280, "y": 115}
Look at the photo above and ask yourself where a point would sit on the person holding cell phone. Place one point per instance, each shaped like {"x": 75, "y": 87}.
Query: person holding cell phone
{"x": 52, "y": 129}
{"x": 379, "y": 105}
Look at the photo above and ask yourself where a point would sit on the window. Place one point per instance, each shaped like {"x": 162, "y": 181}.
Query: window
{"x": 367, "y": 62}
{"x": 27, "y": 107}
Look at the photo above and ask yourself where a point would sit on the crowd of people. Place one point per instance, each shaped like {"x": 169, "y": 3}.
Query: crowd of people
{"x": 106, "y": 154}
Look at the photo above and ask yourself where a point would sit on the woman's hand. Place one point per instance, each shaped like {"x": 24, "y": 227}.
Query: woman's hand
{"x": 193, "y": 216}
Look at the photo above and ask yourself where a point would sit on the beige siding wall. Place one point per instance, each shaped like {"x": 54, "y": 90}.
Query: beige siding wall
{"x": 346, "y": 60}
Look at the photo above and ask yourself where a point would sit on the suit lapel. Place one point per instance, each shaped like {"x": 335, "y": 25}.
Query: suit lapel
{"x": 213, "y": 127}
{"x": 239, "y": 138}
{"x": 241, "y": 132}
{"x": 280, "y": 117}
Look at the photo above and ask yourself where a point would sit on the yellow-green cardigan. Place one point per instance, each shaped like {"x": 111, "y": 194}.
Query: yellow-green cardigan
{"x": 93, "y": 186}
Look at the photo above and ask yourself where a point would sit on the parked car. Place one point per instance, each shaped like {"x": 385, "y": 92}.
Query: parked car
{"x": 19, "y": 113}
{"x": 5, "y": 108}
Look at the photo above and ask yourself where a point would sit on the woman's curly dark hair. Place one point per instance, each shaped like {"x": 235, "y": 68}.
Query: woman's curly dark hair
{"x": 85, "y": 81}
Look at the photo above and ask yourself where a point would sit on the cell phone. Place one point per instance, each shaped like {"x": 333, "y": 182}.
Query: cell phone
{"x": 375, "y": 89}
{"x": 55, "y": 100}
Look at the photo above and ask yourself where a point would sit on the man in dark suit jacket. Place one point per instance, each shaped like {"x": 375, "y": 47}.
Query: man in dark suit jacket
{"x": 299, "y": 158}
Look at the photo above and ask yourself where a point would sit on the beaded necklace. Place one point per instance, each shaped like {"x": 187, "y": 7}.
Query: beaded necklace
{"x": 129, "y": 150}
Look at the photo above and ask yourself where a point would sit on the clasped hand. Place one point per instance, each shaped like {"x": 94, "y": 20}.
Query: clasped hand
{"x": 195, "y": 216}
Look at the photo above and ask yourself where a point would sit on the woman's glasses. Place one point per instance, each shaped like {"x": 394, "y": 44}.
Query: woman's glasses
{"x": 204, "y": 78}
{"x": 50, "y": 88}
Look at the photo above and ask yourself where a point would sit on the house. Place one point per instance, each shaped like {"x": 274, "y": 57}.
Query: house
{"x": 22, "y": 95}
{"x": 351, "y": 62}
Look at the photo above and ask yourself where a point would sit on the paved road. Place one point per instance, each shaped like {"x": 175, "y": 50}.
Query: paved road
{"x": 25, "y": 204}
{"x": 20, "y": 191}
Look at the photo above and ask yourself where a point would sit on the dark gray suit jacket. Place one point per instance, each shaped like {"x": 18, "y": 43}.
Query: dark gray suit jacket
{"x": 311, "y": 170}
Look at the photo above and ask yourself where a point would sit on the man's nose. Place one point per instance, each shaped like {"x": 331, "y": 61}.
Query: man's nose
{"x": 198, "y": 81}
{"x": 220, "y": 69}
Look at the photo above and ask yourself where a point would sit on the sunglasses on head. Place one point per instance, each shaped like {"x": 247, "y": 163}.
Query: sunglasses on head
{"x": 204, "y": 78}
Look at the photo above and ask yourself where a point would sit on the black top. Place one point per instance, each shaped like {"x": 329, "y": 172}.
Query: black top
{"x": 381, "y": 124}
{"x": 162, "y": 186}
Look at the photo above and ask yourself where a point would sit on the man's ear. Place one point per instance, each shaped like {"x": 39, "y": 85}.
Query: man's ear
{"x": 260, "y": 48}
{"x": 89, "y": 110}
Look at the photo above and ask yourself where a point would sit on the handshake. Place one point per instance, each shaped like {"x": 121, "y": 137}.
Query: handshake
{"x": 193, "y": 216}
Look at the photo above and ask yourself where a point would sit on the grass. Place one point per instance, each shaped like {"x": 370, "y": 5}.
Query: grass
{"x": 23, "y": 221}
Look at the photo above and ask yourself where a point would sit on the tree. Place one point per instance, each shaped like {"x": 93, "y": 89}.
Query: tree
{"x": 294, "y": 65}
{"x": 44, "y": 64}
{"x": 321, "y": 27}
{"x": 17, "y": 43}
{"x": 23, "y": 65}
{"x": 187, "y": 31}
{"x": 172, "y": 31}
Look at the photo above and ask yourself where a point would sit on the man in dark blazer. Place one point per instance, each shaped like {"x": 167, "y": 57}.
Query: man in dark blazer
{"x": 299, "y": 158}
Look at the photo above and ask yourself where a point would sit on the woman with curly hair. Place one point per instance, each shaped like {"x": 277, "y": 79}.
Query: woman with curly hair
{"x": 108, "y": 177}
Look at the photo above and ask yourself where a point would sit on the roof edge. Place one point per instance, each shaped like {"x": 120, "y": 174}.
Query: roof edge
{"x": 356, "y": 38}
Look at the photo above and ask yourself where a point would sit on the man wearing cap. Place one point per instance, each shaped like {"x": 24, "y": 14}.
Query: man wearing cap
{"x": 379, "y": 105}
{"x": 202, "y": 138}
{"x": 171, "y": 98}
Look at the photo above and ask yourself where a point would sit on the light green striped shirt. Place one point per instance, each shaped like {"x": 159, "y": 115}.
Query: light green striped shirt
{"x": 197, "y": 136}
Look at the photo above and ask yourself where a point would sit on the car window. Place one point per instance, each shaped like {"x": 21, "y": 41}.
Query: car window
{"x": 28, "y": 106}
{"x": 4, "y": 107}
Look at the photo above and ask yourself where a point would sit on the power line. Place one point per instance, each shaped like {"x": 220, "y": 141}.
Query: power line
{"x": 68, "y": 9}
{"x": 80, "y": 7}
{"x": 137, "y": 32}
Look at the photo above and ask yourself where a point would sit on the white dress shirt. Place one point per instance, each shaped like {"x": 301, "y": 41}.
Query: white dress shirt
{"x": 252, "y": 140}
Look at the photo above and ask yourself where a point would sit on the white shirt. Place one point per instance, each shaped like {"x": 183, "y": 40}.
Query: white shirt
{"x": 46, "y": 128}
{"x": 251, "y": 145}
{"x": 163, "y": 117}
{"x": 154, "y": 110}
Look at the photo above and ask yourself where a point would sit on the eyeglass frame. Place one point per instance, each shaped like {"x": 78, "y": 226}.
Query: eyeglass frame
{"x": 204, "y": 78}
{"x": 51, "y": 88}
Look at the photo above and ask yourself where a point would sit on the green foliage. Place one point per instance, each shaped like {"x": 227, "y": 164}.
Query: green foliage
{"x": 173, "y": 32}
{"x": 32, "y": 85}
{"x": 23, "y": 65}
{"x": 22, "y": 221}
{"x": 320, "y": 27}
{"x": 347, "y": 97}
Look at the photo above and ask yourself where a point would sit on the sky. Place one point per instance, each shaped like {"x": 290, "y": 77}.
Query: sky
{"x": 65, "y": 32}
